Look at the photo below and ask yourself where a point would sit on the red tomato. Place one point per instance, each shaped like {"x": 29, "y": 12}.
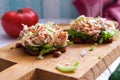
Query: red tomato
{"x": 12, "y": 21}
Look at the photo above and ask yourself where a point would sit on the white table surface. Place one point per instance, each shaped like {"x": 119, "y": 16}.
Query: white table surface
{"x": 5, "y": 40}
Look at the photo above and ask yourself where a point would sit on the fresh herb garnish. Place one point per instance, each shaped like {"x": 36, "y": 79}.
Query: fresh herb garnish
{"x": 69, "y": 43}
{"x": 91, "y": 48}
{"x": 80, "y": 18}
{"x": 101, "y": 41}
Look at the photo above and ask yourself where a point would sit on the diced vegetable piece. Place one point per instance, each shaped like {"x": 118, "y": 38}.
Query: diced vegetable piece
{"x": 91, "y": 48}
{"x": 68, "y": 68}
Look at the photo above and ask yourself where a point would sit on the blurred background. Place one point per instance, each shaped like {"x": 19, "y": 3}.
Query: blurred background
{"x": 44, "y": 8}
{"x": 69, "y": 9}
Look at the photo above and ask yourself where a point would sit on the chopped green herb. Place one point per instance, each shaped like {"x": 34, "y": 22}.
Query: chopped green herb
{"x": 101, "y": 41}
{"x": 99, "y": 57}
{"x": 80, "y": 18}
{"x": 68, "y": 68}
{"x": 91, "y": 48}
{"x": 29, "y": 33}
{"x": 69, "y": 43}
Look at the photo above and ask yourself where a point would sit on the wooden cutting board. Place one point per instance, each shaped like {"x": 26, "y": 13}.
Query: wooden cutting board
{"x": 15, "y": 64}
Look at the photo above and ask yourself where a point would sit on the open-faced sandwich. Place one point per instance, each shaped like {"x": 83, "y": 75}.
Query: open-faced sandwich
{"x": 92, "y": 30}
{"x": 40, "y": 39}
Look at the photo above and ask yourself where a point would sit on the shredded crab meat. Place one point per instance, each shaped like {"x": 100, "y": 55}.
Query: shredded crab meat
{"x": 92, "y": 26}
{"x": 39, "y": 34}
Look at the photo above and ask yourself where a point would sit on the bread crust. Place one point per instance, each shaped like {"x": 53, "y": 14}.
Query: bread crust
{"x": 79, "y": 40}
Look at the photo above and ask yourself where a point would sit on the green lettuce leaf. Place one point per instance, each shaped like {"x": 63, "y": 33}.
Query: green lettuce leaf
{"x": 108, "y": 35}
{"x": 46, "y": 48}
{"x": 74, "y": 34}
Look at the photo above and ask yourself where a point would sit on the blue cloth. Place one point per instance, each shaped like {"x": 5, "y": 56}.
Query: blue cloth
{"x": 65, "y": 7}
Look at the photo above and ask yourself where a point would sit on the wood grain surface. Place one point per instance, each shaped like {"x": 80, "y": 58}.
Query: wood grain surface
{"x": 15, "y": 64}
